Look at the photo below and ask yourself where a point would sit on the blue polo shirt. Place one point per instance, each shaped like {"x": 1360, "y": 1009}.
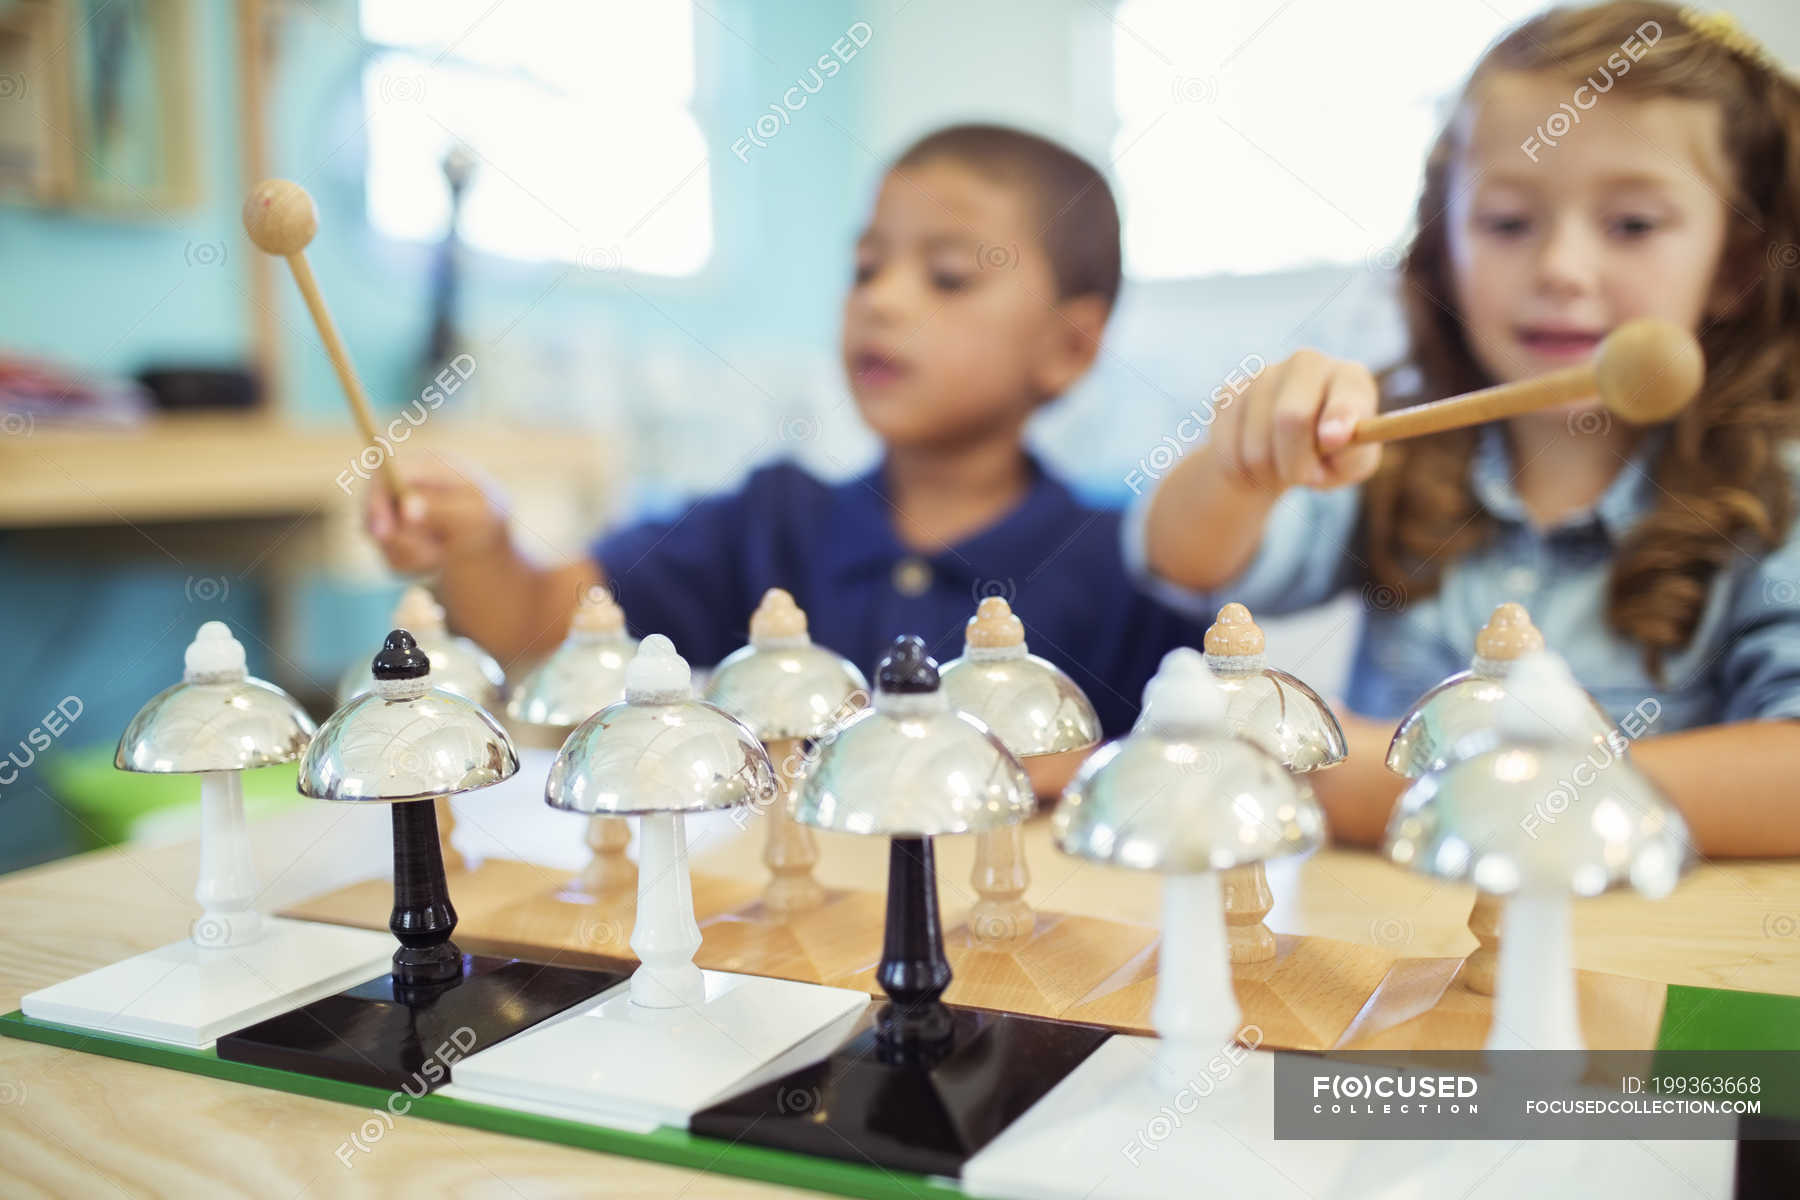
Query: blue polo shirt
{"x": 697, "y": 577}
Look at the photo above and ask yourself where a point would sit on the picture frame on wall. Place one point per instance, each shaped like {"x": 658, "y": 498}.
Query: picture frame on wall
{"x": 107, "y": 122}
{"x": 37, "y": 146}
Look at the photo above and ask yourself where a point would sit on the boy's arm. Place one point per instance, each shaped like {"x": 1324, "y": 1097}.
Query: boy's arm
{"x": 454, "y": 524}
{"x": 510, "y": 606}
{"x": 680, "y": 577}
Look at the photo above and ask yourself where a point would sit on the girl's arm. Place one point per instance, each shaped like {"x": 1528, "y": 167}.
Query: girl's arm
{"x": 1203, "y": 526}
{"x": 1737, "y": 785}
{"x": 1290, "y": 428}
{"x": 1359, "y": 793}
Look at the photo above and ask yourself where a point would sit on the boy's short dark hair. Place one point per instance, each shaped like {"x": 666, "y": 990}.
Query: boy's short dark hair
{"x": 1080, "y": 221}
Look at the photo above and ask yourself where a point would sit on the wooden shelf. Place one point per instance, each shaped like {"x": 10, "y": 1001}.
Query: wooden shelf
{"x": 223, "y": 467}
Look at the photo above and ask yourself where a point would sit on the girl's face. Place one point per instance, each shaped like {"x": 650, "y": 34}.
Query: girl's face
{"x": 1624, "y": 217}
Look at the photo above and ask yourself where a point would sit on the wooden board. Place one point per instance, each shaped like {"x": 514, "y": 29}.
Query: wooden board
{"x": 1316, "y": 994}
{"x": 74, "y": 1119}
{"x": 1423, "y": 1005}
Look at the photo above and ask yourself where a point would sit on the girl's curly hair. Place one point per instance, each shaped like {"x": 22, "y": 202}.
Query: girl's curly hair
{"x": 1721, "y": 481}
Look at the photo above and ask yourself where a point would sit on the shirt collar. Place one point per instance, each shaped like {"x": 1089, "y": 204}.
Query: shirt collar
{"x": 1012, "y": 548}
{"x": 1630, "y": 495}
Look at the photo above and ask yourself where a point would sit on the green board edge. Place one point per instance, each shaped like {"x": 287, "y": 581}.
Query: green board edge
{"x": 1694, "y": 1018}
{"x": 675, "y": 1147}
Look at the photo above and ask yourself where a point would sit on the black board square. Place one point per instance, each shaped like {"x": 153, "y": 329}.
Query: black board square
{"x": 929, "y": 1118}
{"x": 408, "y": 1039}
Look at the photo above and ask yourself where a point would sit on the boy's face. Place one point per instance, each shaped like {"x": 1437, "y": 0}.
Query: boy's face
{"x": 951, "y": 327}
{"x": 1623, "y": 218}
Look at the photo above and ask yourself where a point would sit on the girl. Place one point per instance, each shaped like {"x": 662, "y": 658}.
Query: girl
{"x": 1627, "y": 160}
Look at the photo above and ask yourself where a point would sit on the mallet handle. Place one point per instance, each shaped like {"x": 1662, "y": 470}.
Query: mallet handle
{"x": 1476, "y": 408}
{"x": 340, "y": 362}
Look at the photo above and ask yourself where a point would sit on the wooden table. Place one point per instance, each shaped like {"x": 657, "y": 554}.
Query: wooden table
{"x": 70, "y": 1120}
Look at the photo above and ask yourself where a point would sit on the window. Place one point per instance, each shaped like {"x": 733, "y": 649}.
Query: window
{"x": 1273, "y": 135}
{"x": 577, "y": 115}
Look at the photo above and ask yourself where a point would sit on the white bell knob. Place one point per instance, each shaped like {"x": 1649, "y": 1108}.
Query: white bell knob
{"x": 1184, "y": 695}
{"x": 1543, "y": 701}
{"x": 656, "y": 673}
{"x": 214, "y": 654}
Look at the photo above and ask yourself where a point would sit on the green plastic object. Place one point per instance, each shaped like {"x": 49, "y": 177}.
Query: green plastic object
{"x": 110, "y": 804}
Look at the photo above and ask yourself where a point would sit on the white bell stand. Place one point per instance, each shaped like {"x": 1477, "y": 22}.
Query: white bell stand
{"x": 1195, "y": 1012}
{"x": 237, "y": 967}
{"x": 1109, "y": 1131}
{"x": 1534, "y": 1002}
{"x": 673, "y": 1039}
{"x": 1148, "y": 1117}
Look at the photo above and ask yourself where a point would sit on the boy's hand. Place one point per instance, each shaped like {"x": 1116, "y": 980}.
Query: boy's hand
{"x": 1292, "y": 426}
{"x": 446, "y": 514}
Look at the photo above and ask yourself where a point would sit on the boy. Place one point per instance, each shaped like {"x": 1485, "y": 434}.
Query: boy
{"x": 983, "y": 284}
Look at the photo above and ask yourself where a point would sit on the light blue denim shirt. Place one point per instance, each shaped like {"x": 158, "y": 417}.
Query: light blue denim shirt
{"x": 1743, "y": 662}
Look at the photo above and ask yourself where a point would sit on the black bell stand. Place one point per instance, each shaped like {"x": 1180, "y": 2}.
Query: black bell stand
{"x": 423, "y": 918}
{"x": 921, "y": 1085}
{"x": 914, "y": 1025}
{"x": 404, "y": 1030}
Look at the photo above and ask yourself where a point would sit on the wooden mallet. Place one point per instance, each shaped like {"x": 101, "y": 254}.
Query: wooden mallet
{"x": 1645, "y": 370}
{"x": 281, "y": 219}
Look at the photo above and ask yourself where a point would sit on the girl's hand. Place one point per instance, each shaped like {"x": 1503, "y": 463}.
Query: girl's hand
{"x": 446, "y": 514}
{"x": 1292, "y": 426}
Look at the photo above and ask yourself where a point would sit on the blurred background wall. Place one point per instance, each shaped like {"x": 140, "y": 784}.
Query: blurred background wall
{"x": 650, "y": 256}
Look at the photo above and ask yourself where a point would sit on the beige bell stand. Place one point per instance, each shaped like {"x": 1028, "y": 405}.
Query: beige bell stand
{"x": 1035, "y": 710}
{"x": 1457, "y": 718}
{"x": 583, "y": 675}
{"x": 1504, "y": 820}
{"x": 1288, "y": 719}
{"x": 789, "y": 691}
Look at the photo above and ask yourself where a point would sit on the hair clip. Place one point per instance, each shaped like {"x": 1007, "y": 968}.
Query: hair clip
{"x": 1722, "y": 29}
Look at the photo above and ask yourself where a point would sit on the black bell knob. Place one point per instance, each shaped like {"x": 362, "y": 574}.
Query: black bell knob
{"x": 400, "y": 658}
{"x": 906, "y": 668}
